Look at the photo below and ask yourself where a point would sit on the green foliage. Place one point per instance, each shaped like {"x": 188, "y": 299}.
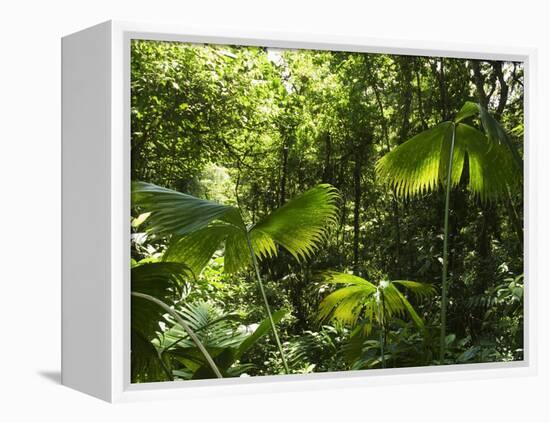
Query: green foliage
{"x": 419, "y": 165}
{"x": 261, "y": 140}
{"x": 374, "y": 303}
{"x": 225, "y": 342}
{"x": 164, "y": 281}
{"x": 200, "y": 227}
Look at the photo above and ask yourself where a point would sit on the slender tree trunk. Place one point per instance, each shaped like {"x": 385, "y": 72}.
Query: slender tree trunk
{"x": 479, "y": 82}
{"x": 395, "y": 204}
{"x": 503, "y": 99}
{"x": 406, "y": 75}
{"x": 513, "y": 216}
{"x": 419, "y": 95}
{"x": 441, "y": 79}
{"x": 284, "y": 175}
{"x": 327, "y": 168}
{"x": 356, "y": 209}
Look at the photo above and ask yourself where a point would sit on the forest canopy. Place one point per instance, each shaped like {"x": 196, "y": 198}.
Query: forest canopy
{"x": 298, "y": 211}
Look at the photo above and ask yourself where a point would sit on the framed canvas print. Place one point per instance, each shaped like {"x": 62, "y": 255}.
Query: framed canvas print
{"x": 249, "y": 212}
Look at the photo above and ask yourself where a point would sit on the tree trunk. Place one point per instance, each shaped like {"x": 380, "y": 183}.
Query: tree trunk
{"x": 356, "y": 209}
{"x": 327, "y": 168}
{"x": 284, "y": 175}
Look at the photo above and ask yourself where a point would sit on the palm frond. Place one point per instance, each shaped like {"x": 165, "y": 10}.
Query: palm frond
{"x": 210, "y": 324}
{"x": 361, "y": 299}
{"x": 345, "y": 304}
{"x": 237, "y": 255}
{"x": 200, "y": 227}
{"x": 300, "y": 225}
{"x": 492, "y": 167}
{"x": 164, "y": 281}
{"x": 420, "y": 289}
{"x": 492, "y": 127}
{"x": 419, "y": 165}
{"x": 197, "y": 248}
{"x": 175, "y": 213}
{"x": 405, "y": 305}
{"x": 225, "y": 342}
{"x": 468, "y": 110}
{"x": 413, "y": 168}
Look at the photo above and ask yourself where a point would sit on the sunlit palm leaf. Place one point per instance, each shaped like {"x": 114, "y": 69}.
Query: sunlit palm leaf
{"x": 344, "y": 304}
{"x": 492, "y": 127}
{"x": 410, "y": 309}
{"x": 421, "y": 290}
{"x": 174, "y": 213}
{"x": 361, "y": 299}
{"x": 419, "y": 165}
{"x": 197, "y": 248}
{"x": 468, "y": 110}
{"x": 300, "y": 225}
{"x": 200, "y": 227}
{"x": 492, "y": 167}
{"x": 414, "y": 167}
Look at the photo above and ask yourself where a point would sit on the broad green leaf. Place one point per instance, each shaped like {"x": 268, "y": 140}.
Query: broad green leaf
{"x": 362, "y": 299}
{"x": 200, "y": 227}
{"x": 175, "y": 213}
{"x": 419, "y": 165}
{"x": 468, "y": 110}
{"x": 300, "y": 225}
{"x": 413, "y": 168}
{"x": 261, "y": 330}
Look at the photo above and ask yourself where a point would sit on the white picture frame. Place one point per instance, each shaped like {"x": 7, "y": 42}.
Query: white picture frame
{"x": 96, "y": 226}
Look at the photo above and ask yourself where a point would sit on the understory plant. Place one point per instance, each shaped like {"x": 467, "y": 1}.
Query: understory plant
{"x": 372, "y": 304}
{"x": 439, "y": 156}
{"x": 197, "y": 228}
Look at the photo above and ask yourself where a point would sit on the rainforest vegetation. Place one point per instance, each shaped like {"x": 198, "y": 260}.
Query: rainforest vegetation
{"x": 300, "y": 211}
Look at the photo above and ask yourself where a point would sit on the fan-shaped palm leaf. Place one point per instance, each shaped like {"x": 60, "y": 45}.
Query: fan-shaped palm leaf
{"x": 200, "y": 227}
{"x": 175, "y": 213}
{"x": 300, "y": 225}
{"x": 492, "y": 127}
{"x": 363, "y": 299}
{"x": 420, "y": 165}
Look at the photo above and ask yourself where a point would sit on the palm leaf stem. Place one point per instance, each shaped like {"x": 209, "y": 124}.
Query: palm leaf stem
{"x": 186, "y": 327}
{"x": 446, "y": 250}
{"x": 383, "y": 333}
{"x": 266, "y": 303}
